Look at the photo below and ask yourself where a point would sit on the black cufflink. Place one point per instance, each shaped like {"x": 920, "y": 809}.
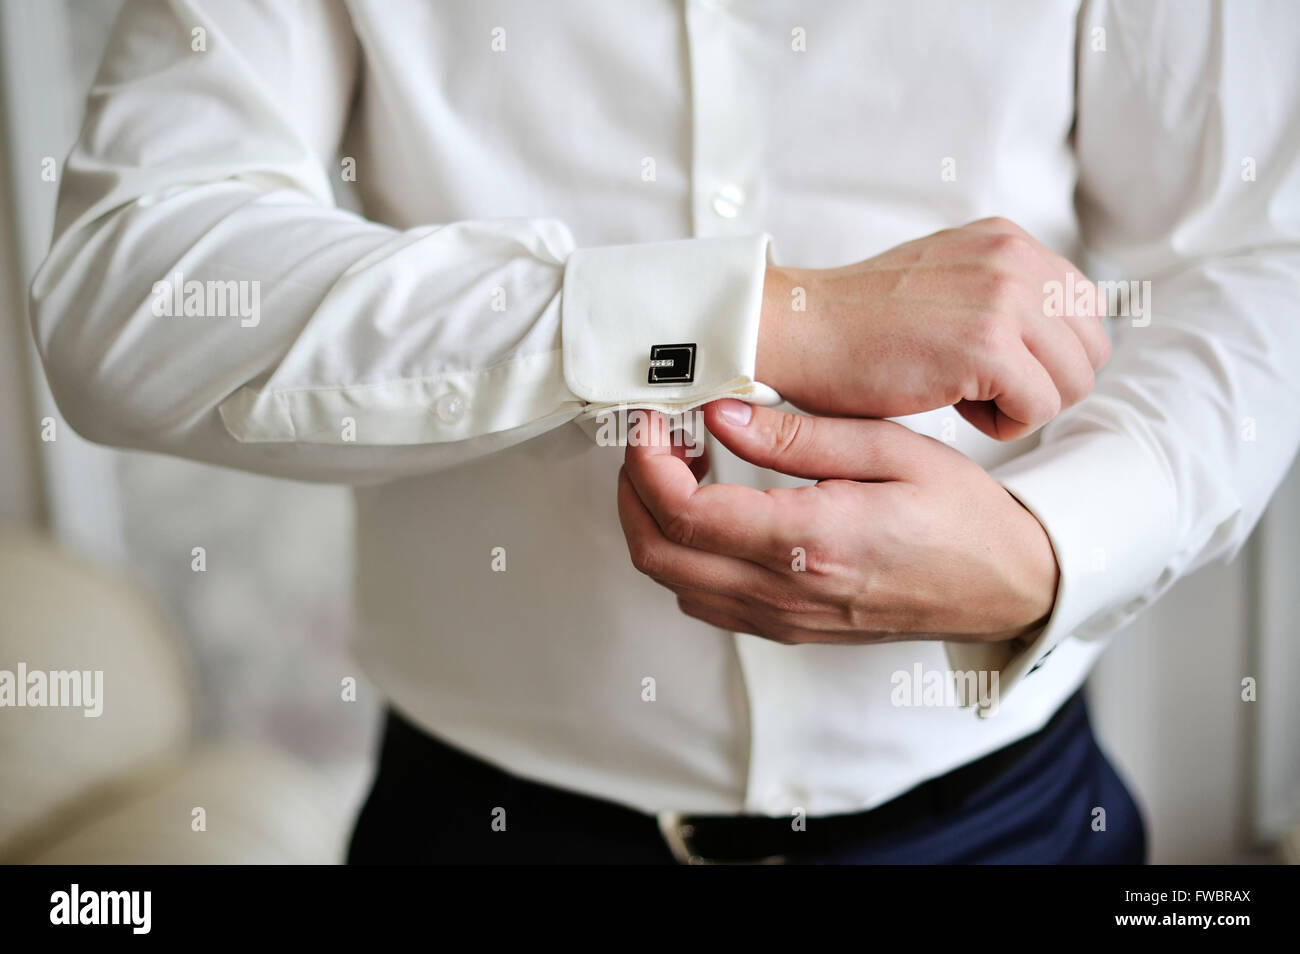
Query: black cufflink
{"x": 672, "y": 364}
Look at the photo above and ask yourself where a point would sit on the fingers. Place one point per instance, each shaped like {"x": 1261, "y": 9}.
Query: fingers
{"x": 819, "y": 448}
{"x": 660, "y": 470}
{"x": 736, "y": 616}
{"x": 1024, "y": 397}
{"x": 1091, "y": 333}
{"x": 759, "y": 616}
{"x": 1062, "y": 354}
{"x": 701, "y": 607}
{"x": 721, "y": 518}
{"x": 1087, "y": 328}
{"x": 982, "y": 415}
{"x": 677, "y": 564}
{"x": 987, "y": 418}
{"x": 695, "y": 455}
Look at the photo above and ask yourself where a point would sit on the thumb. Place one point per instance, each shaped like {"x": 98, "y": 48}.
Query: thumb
{"x": 818, "y": 448}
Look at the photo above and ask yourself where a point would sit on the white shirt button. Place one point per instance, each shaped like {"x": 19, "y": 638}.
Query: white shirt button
{"x": 451, "y": 408}
{"x": 727, "y": 201}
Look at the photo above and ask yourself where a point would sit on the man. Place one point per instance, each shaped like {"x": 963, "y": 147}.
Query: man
{"x": 574, "y": 209}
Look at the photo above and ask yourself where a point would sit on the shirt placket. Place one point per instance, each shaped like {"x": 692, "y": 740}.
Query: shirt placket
{"x": 726, "y": 199}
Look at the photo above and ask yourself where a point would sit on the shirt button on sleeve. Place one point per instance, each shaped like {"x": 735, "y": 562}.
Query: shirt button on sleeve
{"x": 450, "y": 408}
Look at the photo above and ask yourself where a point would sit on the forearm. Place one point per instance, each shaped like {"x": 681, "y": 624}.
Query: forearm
{"x": 205, "y": 297}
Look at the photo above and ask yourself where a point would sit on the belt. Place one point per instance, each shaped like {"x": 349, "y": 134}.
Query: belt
{"x": 760, "y": 839}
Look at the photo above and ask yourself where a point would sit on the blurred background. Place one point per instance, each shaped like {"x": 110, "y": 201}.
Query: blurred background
{"x": 231, "y": 680}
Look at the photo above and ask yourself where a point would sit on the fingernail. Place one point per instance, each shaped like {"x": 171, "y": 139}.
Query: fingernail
{"x": 735, "y": 412}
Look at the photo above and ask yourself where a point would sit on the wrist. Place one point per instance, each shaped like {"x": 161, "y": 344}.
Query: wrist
{"x": 1040, "y": 575}
{"x": 772, "y": 363}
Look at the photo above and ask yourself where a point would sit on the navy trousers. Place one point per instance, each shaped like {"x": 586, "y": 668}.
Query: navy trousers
{"x": 1059, "y": 802}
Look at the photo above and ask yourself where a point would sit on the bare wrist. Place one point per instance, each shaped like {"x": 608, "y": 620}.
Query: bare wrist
{"x": 770, "y": 364}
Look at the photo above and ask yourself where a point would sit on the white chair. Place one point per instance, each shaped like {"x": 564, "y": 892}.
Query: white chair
{"x": 123, "y": 788}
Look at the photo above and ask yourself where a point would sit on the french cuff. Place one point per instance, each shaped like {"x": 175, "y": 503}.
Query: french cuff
{"x": 664, "y": 325}
{"x": 1109, "y": 511}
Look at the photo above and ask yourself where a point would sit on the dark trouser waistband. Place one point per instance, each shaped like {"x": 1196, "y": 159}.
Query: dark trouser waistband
{"x": 1032, "y": 801}
{"x": 752, "y": 838}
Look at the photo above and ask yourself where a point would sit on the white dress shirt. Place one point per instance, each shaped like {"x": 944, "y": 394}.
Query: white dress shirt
{"x": 549, "y": 189}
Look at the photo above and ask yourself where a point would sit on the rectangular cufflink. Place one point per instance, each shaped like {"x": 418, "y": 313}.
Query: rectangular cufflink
{"x": 672, "y": 364}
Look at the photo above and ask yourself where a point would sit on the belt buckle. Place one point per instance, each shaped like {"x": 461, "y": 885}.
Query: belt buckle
{"x": 677, "y": 832}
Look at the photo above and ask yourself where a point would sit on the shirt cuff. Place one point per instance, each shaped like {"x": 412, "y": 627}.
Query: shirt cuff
{"x": 622, "y": 301}
{"x": 1109, "y": 511}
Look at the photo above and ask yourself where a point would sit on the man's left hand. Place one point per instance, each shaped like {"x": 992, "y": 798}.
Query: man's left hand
{"x": 903, "y": 538}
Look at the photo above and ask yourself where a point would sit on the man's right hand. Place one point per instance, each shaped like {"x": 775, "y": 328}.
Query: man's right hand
{"x": 955, "y": 318}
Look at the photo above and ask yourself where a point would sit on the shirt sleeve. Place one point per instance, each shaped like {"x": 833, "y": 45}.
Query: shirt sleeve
{"x": 205, "y": 296}
{"x": 1188, "y": 142}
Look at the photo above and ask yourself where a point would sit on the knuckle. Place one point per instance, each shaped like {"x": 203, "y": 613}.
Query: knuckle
{"x": 846, "y": 613}
{"x": 1004, "y": 291}
{"x": 786, "y": 607}
{"x": 1002, "y": 224}
{"x": 790, "y": 432}
{"x": 846, "y": 602}
{"x": 998, "y": 335}
{"x": 856, "y": 618}
{"x": 785, "y": 635}
{"x": 821, "y": 563}
{"x": 702, "y": 612}
{"x": 681, "y": 529}
{"x": 1013, "y": 252}
{"x": 690, "y": 607}
{"x": 646, "y": 557}
{"x": 1006, "y": 244}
